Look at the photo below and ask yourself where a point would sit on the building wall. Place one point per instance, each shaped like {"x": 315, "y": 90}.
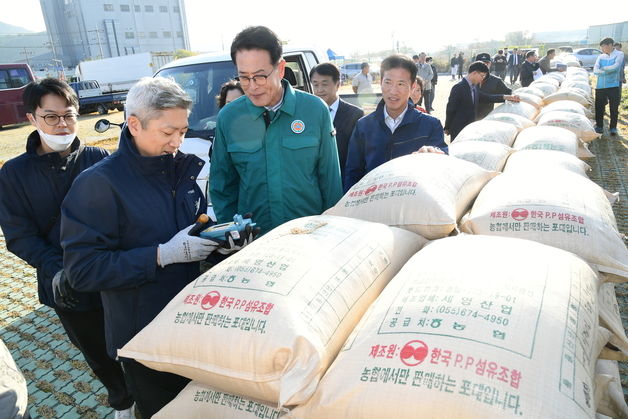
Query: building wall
{"x": 617, "y": 31}
{"x": 92, "y": 29}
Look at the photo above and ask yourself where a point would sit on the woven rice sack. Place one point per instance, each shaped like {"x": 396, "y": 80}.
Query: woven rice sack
{"x": 487, "y": 130}
{"x": 609, "y": 396}
{"x": 530, "y": 90}
{"x": 518, "y": 121}
{"x": 566, "y": 106}
{"x": 532, "y": 99}
{"x": 576, "y": 123}
{"x": 610, "y": 319}
{"x": 489, "y": 156}
{"x": 425, "y": 193}
{"x": 548, "y": 79}
{"x": 560, "y": 209}
{"x": 13, "y": 391}
{"x": 551, "y": 138}
{"x": 518, "y": 108}
{"x": 578, "y": 84}
{"x": 559, "y": 76}
{"x": 197, "y": 401}
{"x": 546, "y": 88}
{"x": 570, "y": 93}
{"x": 508, "y": 330}
{"x": 539, "y": 160}
{"x": 267, "y": 322}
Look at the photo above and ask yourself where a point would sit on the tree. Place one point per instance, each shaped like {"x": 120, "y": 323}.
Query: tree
{"x": 182, "y": 53}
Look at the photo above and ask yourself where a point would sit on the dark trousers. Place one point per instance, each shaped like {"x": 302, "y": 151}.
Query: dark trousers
{"x": 501, "y": 74}
{"x": 426, "y": 100}
{"x": 86, "y": 330}
{"x": 602, "y": 97}
{"x": 432, "y": 94}
{"x": 151, "y": 389}
{"x": 514, "y": 73}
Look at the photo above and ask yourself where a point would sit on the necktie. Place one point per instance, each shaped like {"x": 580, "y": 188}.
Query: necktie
{"x": 473, "y": 94}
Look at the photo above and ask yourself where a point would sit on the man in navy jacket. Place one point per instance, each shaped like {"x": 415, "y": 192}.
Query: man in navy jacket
{"x": 396, "y": 128}
{"x": 462, "y": 106}
{"x": 32, "y": 187}
{"x": 125, "y": 225}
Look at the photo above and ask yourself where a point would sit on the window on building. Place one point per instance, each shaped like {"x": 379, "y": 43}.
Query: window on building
{"x": 129, "y": 35}
{"x": 179, "y": 34}
{"x": 137, "y": 8}
{"x": 148, "y": 8}
{"x": 176, "y": 9}
{"x": 167, "y": 34}
{"x": 152, "y": 35}
{"x": 108, "y": 7}
{"x": 125, "y": 8}
{"x": 163, "y": 9}
{"x": 141, "y": 35}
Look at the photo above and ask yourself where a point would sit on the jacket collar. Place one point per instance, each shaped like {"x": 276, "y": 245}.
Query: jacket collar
{"x": 411, "y": 115}
{"x": 288, "y": 106}
{"x": 156, "y": 165}
{"x": 34, "y": 141}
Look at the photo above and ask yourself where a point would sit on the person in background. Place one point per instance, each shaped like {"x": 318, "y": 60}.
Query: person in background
{"x": 424, "y": 70}
{"x": 395, "y": 128}
{"x": 275, "y": 153}
{"x": 607, "y": 68}
{"x": 229, "y": 91}
{"x": 430, "y": 61}
{"x": 545, "y": 62}
{"x": 32, "y": 188}
{"x": 460, "y": 65}
{"x": 528, "y": 68}
{"x": 416, "y": 94}
{"x": 622, "y": 70}
{"x": 125, "y": 228}
{"x": 514, "y": 65}
{"x": 325, "y": 79}
{"x": 363, "y": 81}
{"x": 499, "y": 64}
{"x": 454, "y": 67}
{"x": 464, "y": 98}
{"x": 491, "y": 85}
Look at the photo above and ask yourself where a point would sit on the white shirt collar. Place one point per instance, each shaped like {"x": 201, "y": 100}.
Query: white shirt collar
{"x": 276, "y": 106}
{"x": 391, "y": 122}
{"x": 333, "y": 108}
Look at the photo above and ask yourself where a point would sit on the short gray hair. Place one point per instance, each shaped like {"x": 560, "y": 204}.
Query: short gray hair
{"x": 149, "y": 96}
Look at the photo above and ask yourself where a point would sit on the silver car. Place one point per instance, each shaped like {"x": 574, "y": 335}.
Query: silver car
{"x": 587, "y": 56}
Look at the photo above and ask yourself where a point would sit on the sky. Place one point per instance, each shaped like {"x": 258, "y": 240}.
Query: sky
{"x": 353, "y": 27}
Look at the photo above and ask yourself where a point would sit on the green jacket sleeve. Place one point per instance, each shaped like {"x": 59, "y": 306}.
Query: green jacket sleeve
{"x": 329, "y": 166}
{"x": 223, "y": 179}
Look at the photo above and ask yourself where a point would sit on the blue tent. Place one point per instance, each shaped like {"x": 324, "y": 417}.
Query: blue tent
{"x": 332, "y": 55}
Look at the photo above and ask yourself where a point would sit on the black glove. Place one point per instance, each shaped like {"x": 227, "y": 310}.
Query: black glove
{"x": 231, "y": 244}
{"x": 63, "y": 293}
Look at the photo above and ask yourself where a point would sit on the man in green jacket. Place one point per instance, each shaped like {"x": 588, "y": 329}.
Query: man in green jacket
{"x": 275, "y": 151}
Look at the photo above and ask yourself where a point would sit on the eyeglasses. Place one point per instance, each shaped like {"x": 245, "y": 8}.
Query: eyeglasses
{"x": 259, "y": 79}
{"x": 53, "y": 119}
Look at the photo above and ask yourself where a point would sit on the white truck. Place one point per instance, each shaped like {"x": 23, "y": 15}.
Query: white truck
{"x": 118, "y": 74}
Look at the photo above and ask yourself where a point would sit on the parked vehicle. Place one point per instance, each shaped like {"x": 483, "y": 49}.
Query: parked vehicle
{"x": 92, "y": 99}
{"x": 13, "y": 81}
{"x": 566, "y": 49}
{"x": 118, "y": 74}
{"x": 587, "y": 56}
{"x": 349, "y": 71}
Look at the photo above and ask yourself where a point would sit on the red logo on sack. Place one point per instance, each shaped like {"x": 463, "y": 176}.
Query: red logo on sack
{"x": 413, "y": 353}
{"x": 520, "y": 214}
{"x": 210, "y": 300}
{"x": 370, "y": 190}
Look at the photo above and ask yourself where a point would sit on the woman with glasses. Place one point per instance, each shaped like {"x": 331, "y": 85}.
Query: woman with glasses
{"x": 32, "y": 187}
